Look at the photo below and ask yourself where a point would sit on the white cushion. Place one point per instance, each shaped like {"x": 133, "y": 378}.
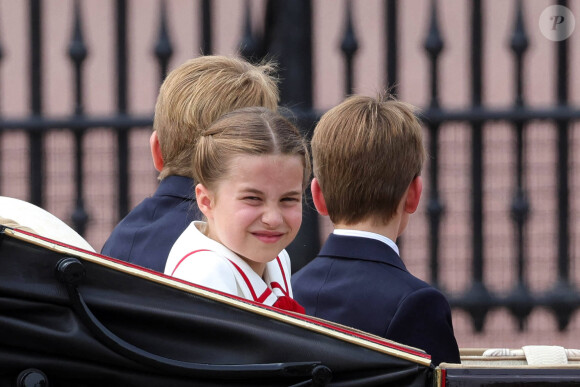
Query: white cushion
{"x": 41, "y": 221}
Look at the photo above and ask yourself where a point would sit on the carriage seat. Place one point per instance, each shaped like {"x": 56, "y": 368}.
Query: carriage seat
{"x": 530, "y": 355}
{"x": 19, "y": 214}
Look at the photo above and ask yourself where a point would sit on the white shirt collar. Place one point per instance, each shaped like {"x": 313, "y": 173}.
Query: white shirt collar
{"x": 368, "y": 234}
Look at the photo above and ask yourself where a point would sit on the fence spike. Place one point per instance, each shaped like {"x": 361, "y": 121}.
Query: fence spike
{"x": 249, "y": 46}
{"x": 77, "y": 49}
{"x": 477, "y": 301}
{"x": 563, "y": 173}
{"x": 123, "y": 150}
{"x": 163, "y": 48}
{"x": 519, "y": 39}
{"x": 434, "y": 45}
{"x": 349, "y": 47}
{"x": 78, "y": 52}
{"x": 206, "y": 48}
{"x": 563, "y": 299}
{"x": 435, "y": 208}
{"x": 433, "y": 42}
{"x": 391, "y": 16}
{"x": 349, "y": 44}
{"x": 1, "y": 51}
{"x": 520, "y": 301}
{"x": 36, "y": 165}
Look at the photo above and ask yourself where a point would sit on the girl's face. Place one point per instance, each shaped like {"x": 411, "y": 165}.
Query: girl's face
{"x": 256, "y": 210}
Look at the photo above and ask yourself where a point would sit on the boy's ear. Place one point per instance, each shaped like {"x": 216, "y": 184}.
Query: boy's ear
{"x": 414, "y": 195}
{"x": 156, "y": 151}
{"x": 204, "y": 199}
{"x": 318, "y": 198}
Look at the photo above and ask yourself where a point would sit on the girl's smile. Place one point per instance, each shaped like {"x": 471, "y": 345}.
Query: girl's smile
{"x": 268, "y": 237}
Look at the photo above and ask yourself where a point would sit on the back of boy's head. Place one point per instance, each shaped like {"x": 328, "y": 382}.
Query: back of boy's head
{"x": 366, "y": 151}
{"x": 200, "y": 91}
{"x": 249, "y": 131}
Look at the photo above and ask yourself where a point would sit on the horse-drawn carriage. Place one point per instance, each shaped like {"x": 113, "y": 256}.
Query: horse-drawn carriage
{"x": 72, "y": 317}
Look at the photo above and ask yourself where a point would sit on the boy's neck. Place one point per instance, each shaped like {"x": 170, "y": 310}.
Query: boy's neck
{"x": 389, "y": 230}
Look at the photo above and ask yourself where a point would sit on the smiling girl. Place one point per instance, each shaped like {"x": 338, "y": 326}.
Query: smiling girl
{"x": 251, "y": 166}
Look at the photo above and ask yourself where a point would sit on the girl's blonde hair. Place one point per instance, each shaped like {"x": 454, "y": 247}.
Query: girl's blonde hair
{"x": 247, "y": 131}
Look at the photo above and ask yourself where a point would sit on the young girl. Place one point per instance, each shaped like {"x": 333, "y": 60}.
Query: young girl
{"x": 251, "y": 166}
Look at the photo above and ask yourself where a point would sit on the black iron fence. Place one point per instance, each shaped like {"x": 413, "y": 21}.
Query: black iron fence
{"x": 287, "y": 37}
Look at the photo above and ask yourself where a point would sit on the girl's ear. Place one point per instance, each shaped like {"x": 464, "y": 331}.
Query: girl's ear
{"x": 318, "y": 198}
{"x": 205, "y": 200}
{"x": 156, "y": 151}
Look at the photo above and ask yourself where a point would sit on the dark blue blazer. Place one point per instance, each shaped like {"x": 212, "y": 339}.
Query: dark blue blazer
{"x": 145, "y": 236}
{"x": 363, "y": 283}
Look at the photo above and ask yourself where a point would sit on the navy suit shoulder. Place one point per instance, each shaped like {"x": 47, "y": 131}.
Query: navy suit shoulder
{"x": 363, "y": 283}
{"x": 423, "y": 320}
{"x": 145, "y": 236}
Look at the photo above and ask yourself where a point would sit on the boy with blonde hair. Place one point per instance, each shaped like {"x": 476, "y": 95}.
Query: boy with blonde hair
{"x": 368, "y": 154}
{"x": 191, "y": 98}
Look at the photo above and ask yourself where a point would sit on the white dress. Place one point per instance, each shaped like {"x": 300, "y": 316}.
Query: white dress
{"x": 198, "y": 259}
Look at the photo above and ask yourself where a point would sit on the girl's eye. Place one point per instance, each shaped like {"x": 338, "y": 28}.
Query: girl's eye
{"x": 252, "y": 198}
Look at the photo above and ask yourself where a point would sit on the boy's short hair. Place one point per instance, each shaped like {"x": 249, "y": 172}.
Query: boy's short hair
{"x": 200, "y": 91}
{"x": 366, "y": 151}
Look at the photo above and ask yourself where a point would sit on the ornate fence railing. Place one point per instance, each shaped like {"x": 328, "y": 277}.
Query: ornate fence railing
{"x": 287, "y": 37}
{"x": 478, "y": 300}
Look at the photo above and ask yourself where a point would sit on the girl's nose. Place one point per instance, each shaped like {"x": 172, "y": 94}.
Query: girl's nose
{"x": 272, "y": 217}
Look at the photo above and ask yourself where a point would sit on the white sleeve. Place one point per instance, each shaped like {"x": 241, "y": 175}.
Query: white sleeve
{"x": 208, "y": 269}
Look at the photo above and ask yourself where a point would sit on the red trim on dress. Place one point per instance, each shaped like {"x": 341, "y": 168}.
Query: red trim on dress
{"x": 183, "y": 259}
{"x": 263, "y": 296}
{"x": 277, "y": 285}
{"x": 283, "y": 273}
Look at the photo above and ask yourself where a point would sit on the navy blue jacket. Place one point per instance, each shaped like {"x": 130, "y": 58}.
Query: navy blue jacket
{"x": 363, "y": 283}
{"x": 145, "y": 236}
